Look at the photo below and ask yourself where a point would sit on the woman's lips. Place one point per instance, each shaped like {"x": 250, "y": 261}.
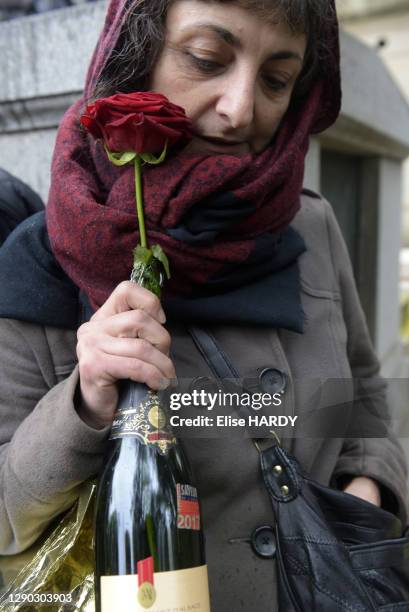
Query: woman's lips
{"x": 219, "y": 145}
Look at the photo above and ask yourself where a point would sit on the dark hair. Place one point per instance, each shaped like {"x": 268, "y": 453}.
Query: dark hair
{"x": 143, "y": 33}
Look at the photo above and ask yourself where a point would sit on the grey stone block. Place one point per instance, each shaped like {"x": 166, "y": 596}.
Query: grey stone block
{"x": 48, "y": 54}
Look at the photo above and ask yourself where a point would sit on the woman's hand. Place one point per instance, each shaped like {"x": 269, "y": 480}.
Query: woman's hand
{"x": 365, "y": 488}
{"x": 125, "y": 338}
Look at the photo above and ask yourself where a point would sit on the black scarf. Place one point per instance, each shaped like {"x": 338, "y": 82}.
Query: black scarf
{"x": 37, "y": 290}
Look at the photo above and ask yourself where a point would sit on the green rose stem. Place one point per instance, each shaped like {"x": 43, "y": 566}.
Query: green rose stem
{"x": 139, "y": 202}
{"x": 147, "y": 262}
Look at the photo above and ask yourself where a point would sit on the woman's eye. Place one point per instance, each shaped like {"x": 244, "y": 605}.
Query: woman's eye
{"x": 275, "y": 84}
{"x": 205, "y": 65}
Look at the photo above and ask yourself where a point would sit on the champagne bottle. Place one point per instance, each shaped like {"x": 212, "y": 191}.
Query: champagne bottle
{"x": 149, "y": 543}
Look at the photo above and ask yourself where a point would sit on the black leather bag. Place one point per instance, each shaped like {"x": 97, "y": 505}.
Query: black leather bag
{"x": 335, "y": 552}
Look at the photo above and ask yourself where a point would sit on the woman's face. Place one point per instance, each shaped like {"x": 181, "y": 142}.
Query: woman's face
{"x": 232, "y": 72}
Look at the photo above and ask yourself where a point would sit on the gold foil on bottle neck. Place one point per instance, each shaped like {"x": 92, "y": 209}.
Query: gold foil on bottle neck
{"x": 147, "y": 422}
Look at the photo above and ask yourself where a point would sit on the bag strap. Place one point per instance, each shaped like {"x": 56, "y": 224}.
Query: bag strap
{"x": 213, "y": 354}
{"x": 223, "y": 368}
{"x": 279, "y": 471}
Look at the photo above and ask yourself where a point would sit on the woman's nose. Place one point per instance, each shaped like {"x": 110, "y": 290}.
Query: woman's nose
{"x": 236, "y": 100}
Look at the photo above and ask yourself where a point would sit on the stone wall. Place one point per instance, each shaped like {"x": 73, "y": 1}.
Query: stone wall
{"x": 355, "y": 9}
{"x": 43, "y": 65}
{"x": 392, "y": 29}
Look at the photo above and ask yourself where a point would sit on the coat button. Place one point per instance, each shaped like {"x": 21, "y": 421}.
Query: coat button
{"x": 273, "y": 380}
{"x": 263, "y": 542}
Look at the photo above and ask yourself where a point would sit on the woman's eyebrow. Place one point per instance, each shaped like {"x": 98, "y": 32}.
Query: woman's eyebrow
{"x": 234, "y": 41}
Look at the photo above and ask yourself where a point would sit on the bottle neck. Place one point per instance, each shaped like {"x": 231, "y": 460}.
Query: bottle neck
{"x": 141, "y": 415}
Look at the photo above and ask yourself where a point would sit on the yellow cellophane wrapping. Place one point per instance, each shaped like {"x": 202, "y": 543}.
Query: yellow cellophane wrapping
{"x": 63, "y": 564}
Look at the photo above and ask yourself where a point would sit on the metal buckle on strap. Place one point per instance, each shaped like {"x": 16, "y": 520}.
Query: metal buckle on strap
{"x": 262, "y": 444}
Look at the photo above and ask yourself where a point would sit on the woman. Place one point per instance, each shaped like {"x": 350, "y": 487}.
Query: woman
{"x": 255, "y": 260}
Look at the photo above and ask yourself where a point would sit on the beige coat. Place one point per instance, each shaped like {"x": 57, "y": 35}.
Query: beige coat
{"x": 46, "y": 450}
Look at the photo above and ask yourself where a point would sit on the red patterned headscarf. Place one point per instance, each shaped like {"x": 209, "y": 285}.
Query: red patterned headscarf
{"x": 91, "y": 216}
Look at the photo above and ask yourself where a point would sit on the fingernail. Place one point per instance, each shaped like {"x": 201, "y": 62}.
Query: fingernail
{"x": 164, "y": 383}
{"x": 174, "y": 382}
{"x": 162, "y": 316}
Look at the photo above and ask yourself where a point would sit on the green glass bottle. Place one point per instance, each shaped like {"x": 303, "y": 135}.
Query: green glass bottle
{"x": 149, "y": 543}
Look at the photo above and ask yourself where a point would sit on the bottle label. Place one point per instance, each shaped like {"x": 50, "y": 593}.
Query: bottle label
{"x": 178, "y": 591}
{"x": 188, "y": 507}
{"x": 147, "y": 421}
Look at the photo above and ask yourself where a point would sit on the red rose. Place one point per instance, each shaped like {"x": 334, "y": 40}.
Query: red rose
{"x": 141, "y": 122}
